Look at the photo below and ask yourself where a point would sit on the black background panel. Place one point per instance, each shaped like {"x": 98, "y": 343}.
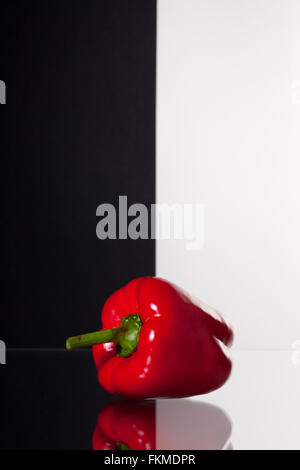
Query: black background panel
{"x": 78, "y": 130}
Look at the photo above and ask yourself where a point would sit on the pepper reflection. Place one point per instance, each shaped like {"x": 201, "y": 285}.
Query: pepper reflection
{"x": 126, "y": 424}
{"x": 162, "y": 425}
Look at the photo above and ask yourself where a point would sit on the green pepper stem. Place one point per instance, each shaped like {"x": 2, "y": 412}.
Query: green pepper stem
{"x": 122, "y": 446}
{"x": 125, "y": 337}
{"x": 91, "y": 339}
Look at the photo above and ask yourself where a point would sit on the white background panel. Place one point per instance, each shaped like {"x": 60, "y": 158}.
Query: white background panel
{"x": 228, "y": 121}
{"x": 260, "y": 404}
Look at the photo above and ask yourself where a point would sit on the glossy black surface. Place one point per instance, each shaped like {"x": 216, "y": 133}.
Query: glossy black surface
{"x": 52, "y": 400}
{"x": 49, "y": 400}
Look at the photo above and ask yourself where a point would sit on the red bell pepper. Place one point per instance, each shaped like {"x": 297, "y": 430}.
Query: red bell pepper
{"x": 125, "y": 425}
{"x": 158, "y": 342}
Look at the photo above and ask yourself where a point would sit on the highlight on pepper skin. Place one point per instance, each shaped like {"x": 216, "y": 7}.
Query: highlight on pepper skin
{"x": 162, "y": 425}
{"x": 156, "y": 341}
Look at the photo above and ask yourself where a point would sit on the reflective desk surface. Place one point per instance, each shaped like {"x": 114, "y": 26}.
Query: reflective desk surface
{"x": 52, "y": 400}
